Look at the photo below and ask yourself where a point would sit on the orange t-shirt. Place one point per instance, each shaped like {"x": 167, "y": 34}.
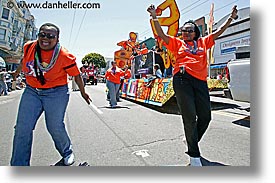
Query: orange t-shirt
{"x": 114, "y": 76}
{"x": 57, "y": 76}
{"x": 195, "y": 64}
{"x": 144, "y": 51}
{"x": 127, "y": 74}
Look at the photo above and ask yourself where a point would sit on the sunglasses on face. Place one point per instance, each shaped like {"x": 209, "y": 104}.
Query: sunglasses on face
{"x": 188, "y": 30}
{"x": 47, "y": 35}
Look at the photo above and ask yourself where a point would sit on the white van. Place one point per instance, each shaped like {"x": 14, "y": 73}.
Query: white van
{"x": 239, "y": 75}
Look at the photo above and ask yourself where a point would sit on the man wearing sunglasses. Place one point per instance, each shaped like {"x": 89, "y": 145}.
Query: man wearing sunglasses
{"x": 46, "y": 65}
{"x": 189, "y": 78}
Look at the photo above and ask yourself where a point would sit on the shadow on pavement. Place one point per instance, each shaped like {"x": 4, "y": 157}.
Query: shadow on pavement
{"x": 117, "y": 107}
{"x": 61, "y": 163}
{"x": 220, "y": 106}
{"x": 171, "y": 107}
{"x": 245, "y": 122}
{"x": 206, "y": 162}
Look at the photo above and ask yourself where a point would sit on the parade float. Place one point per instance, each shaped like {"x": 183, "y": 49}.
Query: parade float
{"x": 143, "y": 86}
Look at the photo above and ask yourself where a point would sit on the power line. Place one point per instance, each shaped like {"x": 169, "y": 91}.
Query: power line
{"x": 72, "y": 27}
{"x": 80, "y": 26}
{"x": 147, "y": 31}
{"x": 196, "y": 7}
{"x": 144, "y": 31}
{"x": 222, "y": 7}
{"x": 189, "y": 6}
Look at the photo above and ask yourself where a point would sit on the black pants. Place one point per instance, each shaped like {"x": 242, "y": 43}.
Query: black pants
{"x": 194, "y": 104}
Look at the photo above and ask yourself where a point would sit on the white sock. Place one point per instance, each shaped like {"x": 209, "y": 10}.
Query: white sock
{"x": 195, "y": 161}
{"x": 69, "y": 160}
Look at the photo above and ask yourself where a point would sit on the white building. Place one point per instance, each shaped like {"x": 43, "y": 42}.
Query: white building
{"x": 236, "y": 35}
{"x": 17, "y": 26}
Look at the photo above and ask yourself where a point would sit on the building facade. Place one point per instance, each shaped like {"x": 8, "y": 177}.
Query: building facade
{"x": 236, "y": 35}
{"x": 17, "y": 26}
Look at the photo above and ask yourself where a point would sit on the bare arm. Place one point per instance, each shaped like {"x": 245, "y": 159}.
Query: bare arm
{"x": 17, "y": 71}
{"x": 224, "y": 26}
{"x": 80, "y": 85}
{"x": 159, "y": 30}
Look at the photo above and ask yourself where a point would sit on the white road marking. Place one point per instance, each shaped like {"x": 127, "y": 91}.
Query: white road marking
{"x": 96, "y": 109}
{"x": 143, "y": 153}
{"x": 233, "y": 115}
{"x": 6, "y": 101}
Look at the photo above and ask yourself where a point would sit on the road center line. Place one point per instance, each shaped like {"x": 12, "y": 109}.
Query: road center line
{"x": 96, "y": 109}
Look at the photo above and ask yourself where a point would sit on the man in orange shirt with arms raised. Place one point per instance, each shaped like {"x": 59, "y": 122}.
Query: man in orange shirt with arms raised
{"x": 46, "y": 65}
{"x": 189, "y": 78}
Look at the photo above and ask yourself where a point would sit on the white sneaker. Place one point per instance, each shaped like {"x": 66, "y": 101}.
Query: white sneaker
{"x": 69, "y": 160}
{"x": 195, "y": 161}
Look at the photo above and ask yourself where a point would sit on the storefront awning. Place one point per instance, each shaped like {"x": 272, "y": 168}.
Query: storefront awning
{"x": 2, "y": 62}
{"x": 220, "y": 66}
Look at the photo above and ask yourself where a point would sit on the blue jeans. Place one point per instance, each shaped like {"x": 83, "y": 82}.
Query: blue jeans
{"x": 33, "y": 102}
{"x": 113, "y": 89}
{"x": 194, "y": 104}
{"x": 3, "y": 86}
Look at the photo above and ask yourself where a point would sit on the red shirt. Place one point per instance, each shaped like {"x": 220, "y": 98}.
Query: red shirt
{"x": 144, "y": 51}
{"x": 57, "y": 76}
{"x": 127, "y": 74}
{"x": 114, "y": 75}
{"x": 195, "y": 64}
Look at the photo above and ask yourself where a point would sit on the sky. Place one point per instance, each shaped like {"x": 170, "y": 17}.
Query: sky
{"x": 98, "y": 30}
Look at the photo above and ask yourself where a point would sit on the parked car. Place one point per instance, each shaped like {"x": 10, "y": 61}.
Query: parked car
{"x": 238, "y": 75}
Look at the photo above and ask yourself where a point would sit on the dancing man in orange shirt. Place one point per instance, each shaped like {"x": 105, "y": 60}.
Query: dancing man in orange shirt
{"x": 46, "y": 65}
{"x": 189, "y": 78}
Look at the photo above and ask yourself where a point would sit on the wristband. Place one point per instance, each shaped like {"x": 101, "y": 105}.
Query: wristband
{"x": 231, "y": 18}
{"x": 155, "y": 19}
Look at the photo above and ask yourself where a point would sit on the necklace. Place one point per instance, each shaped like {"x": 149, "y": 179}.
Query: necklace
{"x": 44, "y": 67}
{"x": 193, "y": 49}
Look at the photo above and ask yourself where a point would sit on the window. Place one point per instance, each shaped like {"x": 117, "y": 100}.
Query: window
{"x": 5, "y": 24}
{"x": 15, "y": 24}
{"x": 242, "y": 55}
{"x": 9, "y": 37}
{"x": 23, "y": 27}
{"x": 9, "y": 66}
{"x": 5, "y": 13}
{"x": 2, "y": 34}
{"x": 12, "y": 17}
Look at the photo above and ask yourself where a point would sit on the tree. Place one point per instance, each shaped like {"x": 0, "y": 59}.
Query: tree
{"x": 95, "y": 58}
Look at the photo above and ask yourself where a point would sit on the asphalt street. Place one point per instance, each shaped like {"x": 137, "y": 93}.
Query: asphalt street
{"x": 133, "y": 134}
